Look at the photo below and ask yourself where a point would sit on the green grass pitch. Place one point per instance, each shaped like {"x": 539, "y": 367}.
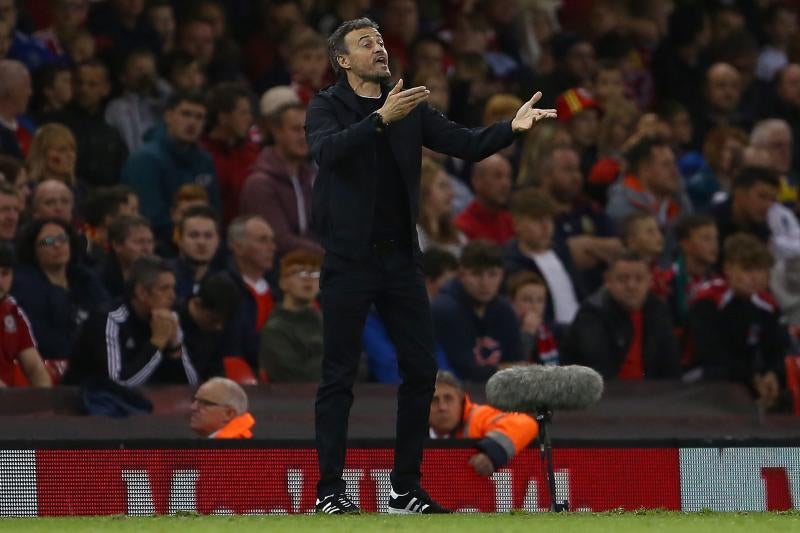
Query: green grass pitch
{"x": 649, "y": 521}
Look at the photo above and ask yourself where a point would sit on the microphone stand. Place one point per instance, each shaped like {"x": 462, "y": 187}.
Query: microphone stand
{"x": 545, "y": 417}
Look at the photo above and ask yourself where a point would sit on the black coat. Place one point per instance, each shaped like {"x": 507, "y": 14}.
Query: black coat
{"x": 342, "y": 142}
{"x": 601, "y": 335}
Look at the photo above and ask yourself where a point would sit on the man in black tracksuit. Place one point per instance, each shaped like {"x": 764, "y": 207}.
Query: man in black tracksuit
{"x": 367, "y": 139}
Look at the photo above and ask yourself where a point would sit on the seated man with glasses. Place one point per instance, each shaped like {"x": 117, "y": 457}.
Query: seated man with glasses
{"x": 219, "y": 411}
{"x": 291, "y": 341}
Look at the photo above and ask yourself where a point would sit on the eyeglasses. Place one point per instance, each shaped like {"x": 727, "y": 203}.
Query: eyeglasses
{"x": 53, "y": 240}
{"x": 306, "y": 274}
{"x": 208, "y": 403}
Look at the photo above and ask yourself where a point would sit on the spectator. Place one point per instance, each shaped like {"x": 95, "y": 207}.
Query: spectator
{"x": 400, "y": 28}
{"x": 476, "y": 328}
{"x": 439, "y": 267}
{"x": 435, "y": 227}
{"x": 270, "y": 107}
{"x": 19, "y": 345}
{"x": 219, "y": 411}
{"x": 252, "y": 244}
{"x": 785, "y": 285}
{"x": 578, "y": 110}
{"x": 139, "y": 342}
{"x": 183, "y": 73}
{"x": 101, "y": 149}
{"x": 173, "y": 158}
{"x": 161, "y": 17}
{"x": 53, "y": 155}
{"x": 56, "y": 291}
{"x": 13, "y": 172}
{"x": 186, "y": 197}
{"x": 15, "y": 93}
{"x": 279, "y": 187}
{"x": 230, "y": 117}
{"x": 101, "y": 207}
{"x": 203, "y": 318}
{"x": 308, "y": 64}
{"x": 120, "y": 26}
{"x": 652, "y": 184}
{"x": 540, "y": 144}
{"x": 609, "y": 84}
{"x": 198, "y": 244}
{"x": 129, "y": 238}
{"x": 775, "y": 136}
{"x": 9, "y": 213}
{"x": 624, "y": 331}
{"x": 501, "y": 107}
{"x": 291, "y": 341}
{"x": 786, "y": 103}
{"x": 23, "y": 47}
{"x": 533, "y": 251}
{"x": 277, "y": 20}
{"x": 641, "y": 234}
{"x": 755, "y": 189}
{"x": 52, "y": 91}
{"x": 527, "y": 293}
{"x": 723, "y": 101}
{"x": 734, "y": 323}
{"x": 136, "y": 111}
{"x": 487, "y": 217}
{"x": 780, "y": 28}
{"x": 615, "y": 128}
{"x": 52, "y": 199}
{"x": 81, "y": 48}
{"x": 501, "y": 435}
{"x": 722, "y": 149}
{"x": 196, "y": 38}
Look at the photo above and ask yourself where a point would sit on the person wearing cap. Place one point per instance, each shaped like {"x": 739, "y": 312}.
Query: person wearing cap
{"x": 17, "y": 344}
{"x": 578, "y": 109}
{"x": 219, "y": 411}
{"x": 271, "y": 101}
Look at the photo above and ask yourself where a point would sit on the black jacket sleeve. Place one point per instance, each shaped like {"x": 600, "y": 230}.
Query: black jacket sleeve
{"x": 587, "y": 342}
{"x": 327, "y": 141}
{"x": 707, "y": 346}
{"x": 473, "y": 144}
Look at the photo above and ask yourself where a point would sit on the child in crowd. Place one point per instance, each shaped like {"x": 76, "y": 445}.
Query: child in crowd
{"x": 528, "y": 295}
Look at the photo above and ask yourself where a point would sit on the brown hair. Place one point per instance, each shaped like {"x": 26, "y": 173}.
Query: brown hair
{"x": 746, "y": 251}
{"x": 714, "y": 144}
{"x": 520, "y": 279}
{"x": 43, "y": 140}
{"x": 190, "y": 193}
{"x": 628, "y": 224}
{"x": 533, "y": 203}
{"x": 447, "y": 232}
{"x": 500, "y": 107}
{"x": 443, "y": 377}
{"x": 302, "y": 258}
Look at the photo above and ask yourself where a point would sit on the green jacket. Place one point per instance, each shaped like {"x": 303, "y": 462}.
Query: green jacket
{"x": 291, "y": 346}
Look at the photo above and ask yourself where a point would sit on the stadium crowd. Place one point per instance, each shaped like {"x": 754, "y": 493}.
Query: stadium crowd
{"x": 156, "y": 205}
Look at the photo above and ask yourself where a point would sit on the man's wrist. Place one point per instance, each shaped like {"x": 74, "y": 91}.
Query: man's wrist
{"x": 380, "y": 122}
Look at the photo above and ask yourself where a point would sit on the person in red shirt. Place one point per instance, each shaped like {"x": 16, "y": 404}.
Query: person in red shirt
{"x": 17, "y": 345}
{"x": 624, "y": 331}
{"x": 487, "y": 217}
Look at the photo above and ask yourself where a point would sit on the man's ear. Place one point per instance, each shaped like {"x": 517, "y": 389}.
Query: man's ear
{"x": 343, "y": 61}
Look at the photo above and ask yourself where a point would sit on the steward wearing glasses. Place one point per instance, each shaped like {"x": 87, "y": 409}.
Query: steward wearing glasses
{"x": 291, "y": 341}
{"x": 57, "y": 292}
{"x": 139, "y": 342}
{"x": 219, "y": 411}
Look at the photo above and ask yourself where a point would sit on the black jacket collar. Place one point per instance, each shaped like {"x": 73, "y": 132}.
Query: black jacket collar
{"x": 342, "y": 91}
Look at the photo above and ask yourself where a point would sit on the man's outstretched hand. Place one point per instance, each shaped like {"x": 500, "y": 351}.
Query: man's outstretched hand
{"x": 399, "y": 103}
{"x": 528, "y": 115}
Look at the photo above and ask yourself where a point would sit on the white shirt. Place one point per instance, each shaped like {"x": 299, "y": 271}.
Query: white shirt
{"x": 565, "y": 302}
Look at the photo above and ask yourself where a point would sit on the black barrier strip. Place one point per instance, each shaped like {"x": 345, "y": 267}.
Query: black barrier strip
{"x": 203, "y": 444}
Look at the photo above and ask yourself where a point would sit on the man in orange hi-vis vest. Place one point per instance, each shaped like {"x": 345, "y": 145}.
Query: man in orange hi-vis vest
{"x": 502, "y": 435}
{"x": 219, "y": 411}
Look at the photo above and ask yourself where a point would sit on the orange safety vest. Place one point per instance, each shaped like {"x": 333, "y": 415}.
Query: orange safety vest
{"x": 480, "y": 421}
{"x": 238, "y": 428}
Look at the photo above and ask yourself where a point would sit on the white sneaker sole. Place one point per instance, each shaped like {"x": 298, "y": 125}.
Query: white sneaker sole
{"x": 392, "y": 510}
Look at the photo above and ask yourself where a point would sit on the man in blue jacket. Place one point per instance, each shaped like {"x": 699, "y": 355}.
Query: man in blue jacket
{"x": 367, "y": 139}
{"x": 173, "y": 157}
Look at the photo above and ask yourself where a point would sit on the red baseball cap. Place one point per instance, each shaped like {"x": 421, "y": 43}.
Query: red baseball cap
{"x": 573, "y": 101}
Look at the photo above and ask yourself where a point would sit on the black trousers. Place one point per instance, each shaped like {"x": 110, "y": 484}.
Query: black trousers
{"x": 392, "y": 280}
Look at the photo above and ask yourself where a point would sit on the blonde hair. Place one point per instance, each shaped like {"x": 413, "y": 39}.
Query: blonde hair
{"x": 43, "y": 140}
{"x": 447, "y": 232}
{"x": 500, "y": 107}
{"x": 539, "y": 143}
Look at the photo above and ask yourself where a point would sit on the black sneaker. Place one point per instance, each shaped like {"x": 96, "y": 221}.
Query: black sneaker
{"x": 337, "y": 504}
{"x": 414, "y": 501}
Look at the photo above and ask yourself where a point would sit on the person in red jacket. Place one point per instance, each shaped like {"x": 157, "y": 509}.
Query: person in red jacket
{"x": 487, "y": 217}
{"x": 219, "y": 411}
{"x": 502, "y": 435}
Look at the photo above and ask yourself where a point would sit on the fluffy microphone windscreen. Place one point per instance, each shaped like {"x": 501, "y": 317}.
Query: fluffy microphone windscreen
{"x": 532, "y": 388}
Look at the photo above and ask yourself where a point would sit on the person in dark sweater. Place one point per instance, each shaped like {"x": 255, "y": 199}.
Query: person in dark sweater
{"x": 130, "y": 238}
{"x": 198, "y": 244}
{"x": 624, "y": 331}
{"x": 755, "y": 189}
{"x": 291, "y": 341}
{"x": 735, "y": 323}
{"x": 139, "y": 342}
{"x": 476, "y": 328}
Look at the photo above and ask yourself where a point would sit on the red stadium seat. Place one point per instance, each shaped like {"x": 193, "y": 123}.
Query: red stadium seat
{"x": 239, "y": 371}
{"x": 793, "y": 380}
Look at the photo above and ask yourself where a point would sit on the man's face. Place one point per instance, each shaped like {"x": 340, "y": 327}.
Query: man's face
{"x": 446, "y": 409}
{"x": 756, "y": 201}
{"x": 140, "y": 74}
{"x": 702, "y": 244}
{"x": 492, "y": 182}
{"x": 309, "y": 65}
{"x": 21, "y": 95}
{"x": 8, "y": 12}
{"x": 6, "y": 279}
{"x": 61, "y": 92}
{"x": 779, "y": 145}
{"x": 745, "y": 282}
{"x": 162, "y": 294}
{"x": 92, "y": 86}
{"x": 580, "y": 61}
{"x": 185, "y": 122}
{"x": 564, "y": 182}
{"x": 646, "y": 238}
{"x": 401, "y": 19}
{"x": 609, "y": 85}
{"x": 9, "y": 216}
{"x": 628, "y": 282}
{"x": 258, "y": 245}
{"x": 428, "y": 56}
{"x": 199, "y": 239}
{"x": 210, "y": 412}
{"x": 660, "y": 173}
{"x": 583, "y": 128}
{"x": 197, "y": 40}
{"x": 52, "y": 247}
{"x": 53, "y": 199}
{"x": 482, "y": 285}
{"x": 162, "y": 19}
{"x": 366, "y": 57}
{"x": 724, "y": 88}
{"x": 190, "y": 78}
{"x": 290, "y": 134}
{"x": 789, "y": 85}
{"x": 72, "y": 13}
{"x": 240, "y": 119}
{"x": 530, "y": 299}
{"x": 301, "y": 282}
{"x": 139, "y": 243}
{"x": 535, "y": 233}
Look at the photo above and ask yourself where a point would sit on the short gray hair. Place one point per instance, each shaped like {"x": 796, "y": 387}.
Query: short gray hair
{"x": 336, "y": 44}
{"x": 762, "y": 130}
{"x": 235, "y": 397}
{"x": 236, "y": 229}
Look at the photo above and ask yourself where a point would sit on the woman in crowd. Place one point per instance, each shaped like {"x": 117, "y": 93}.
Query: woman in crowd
{"x": 435, "y": 225}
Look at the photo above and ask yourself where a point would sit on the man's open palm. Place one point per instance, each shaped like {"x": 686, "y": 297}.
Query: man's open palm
{"x": 528, "y": 115}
